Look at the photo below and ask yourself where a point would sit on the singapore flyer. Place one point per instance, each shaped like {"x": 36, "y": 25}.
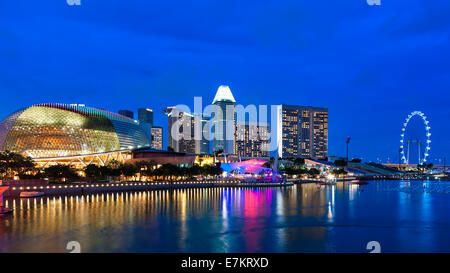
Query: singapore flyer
{"x": 418, "y": 141}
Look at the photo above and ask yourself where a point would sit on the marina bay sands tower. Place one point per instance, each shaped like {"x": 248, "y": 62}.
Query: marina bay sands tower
{"x": 223, "y": 127}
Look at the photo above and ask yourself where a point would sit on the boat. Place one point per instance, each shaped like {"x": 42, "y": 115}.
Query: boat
{"x": 31, "y": 194}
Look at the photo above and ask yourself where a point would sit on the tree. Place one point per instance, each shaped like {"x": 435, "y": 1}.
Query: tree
{"x": 170, "y": 149}
{"x": 291, "y": 171}
{"x": 114, "y": 168}
{"x": 186, "y": 172}
{"x": 92, "y": 171}
{"x": 167, "y": 170}
{"x": 170, "y": 171}
{"x": 60, "y": 171}
{"x": 146, "y": 168}
{"x": 129, "y": 170}
{"x": 269, "y": 163}
{"x": 340, "y": 163}
{"x": 356, "y": 160}
{"x": 211, "y": 170}
{"x": 339, "y": 172}
{"x": 12, "y": 164}
{"x": 104, "y": 171}
{"x": 299, "y": 162}
{"x": 173, "y": 171}
{"x": 195, "y": 170}
{"x": 313, "y": 172}
{"x": 296, "y": 171}
{"x": 216, "y": 170}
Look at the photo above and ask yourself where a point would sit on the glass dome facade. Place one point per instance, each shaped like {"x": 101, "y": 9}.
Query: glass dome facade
{"x": 57, "y": 130}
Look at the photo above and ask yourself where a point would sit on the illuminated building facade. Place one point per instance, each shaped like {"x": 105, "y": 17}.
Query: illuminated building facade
{"x": 302, "y": 131}
{"x": 224, "y": 125}
{"x": 60, "y": 130}
{"x": 183, "y": 125}
{"x": 157, "y": 138}
{"x": 252, "y": 139}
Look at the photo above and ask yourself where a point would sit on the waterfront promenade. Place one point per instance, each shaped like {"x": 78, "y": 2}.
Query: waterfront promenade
{"x": 87, "y": 188}
{"x": 76, "y": 188}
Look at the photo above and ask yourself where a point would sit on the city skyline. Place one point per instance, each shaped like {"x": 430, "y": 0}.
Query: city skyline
{"x": 374, "y": 79}
{"x": 146, "y": 119}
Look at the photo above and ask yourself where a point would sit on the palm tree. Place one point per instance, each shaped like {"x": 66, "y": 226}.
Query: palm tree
{"x": 114, "y": 168}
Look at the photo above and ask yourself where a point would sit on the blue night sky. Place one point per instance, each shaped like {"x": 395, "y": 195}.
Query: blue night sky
{"x": 370, "y": 65}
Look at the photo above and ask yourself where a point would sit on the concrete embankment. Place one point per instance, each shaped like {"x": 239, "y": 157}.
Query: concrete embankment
{"x": 75, "y": 189}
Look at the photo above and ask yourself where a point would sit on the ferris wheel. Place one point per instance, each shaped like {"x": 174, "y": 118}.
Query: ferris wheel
{"x": 405, "y": 143}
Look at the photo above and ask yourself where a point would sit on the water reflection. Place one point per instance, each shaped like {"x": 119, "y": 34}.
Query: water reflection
{"x": 303, "y": 218}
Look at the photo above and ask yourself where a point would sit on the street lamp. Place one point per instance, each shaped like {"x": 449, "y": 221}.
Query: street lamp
{"x": 348, "y": 141}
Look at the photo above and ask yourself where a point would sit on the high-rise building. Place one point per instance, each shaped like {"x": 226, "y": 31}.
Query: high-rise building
{"x": 302, "y": 131}
{"x": 126, "y": 113}
{"x": 183, "y": 125}
{"x": 157, "y": 137}
{"x": 224, "y": 125}
{"x": 145, "y": 117}
{"x": 252, "y": 139}
{"x": 203, "y": 143}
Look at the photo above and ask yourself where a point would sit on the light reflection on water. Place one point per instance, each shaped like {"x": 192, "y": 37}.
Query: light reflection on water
{"x": 303, "y": 218}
